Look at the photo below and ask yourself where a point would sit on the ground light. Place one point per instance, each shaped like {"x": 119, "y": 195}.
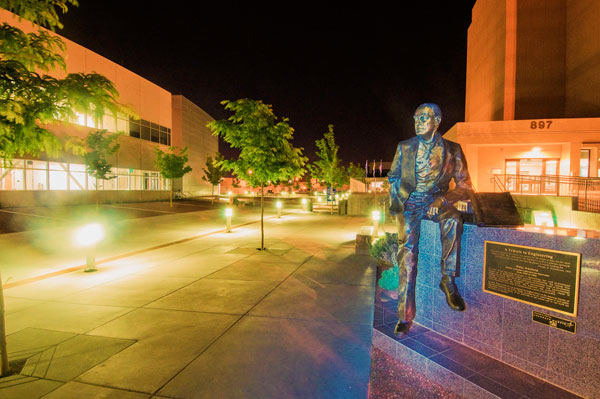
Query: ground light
{"x": 304, "y": 203}
{"x": 375, "y": 215}
{"x": 87, "y": 237}
{"x": 278, "y": 205}
{"x": 228, "y": 214}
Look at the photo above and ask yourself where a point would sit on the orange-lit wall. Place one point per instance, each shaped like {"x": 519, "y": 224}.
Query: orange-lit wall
{"x": 148, "y": 100}
{"x": 486, "y": 46}
{"x": 540, "y": 62}
{"x": 583, "y": 59}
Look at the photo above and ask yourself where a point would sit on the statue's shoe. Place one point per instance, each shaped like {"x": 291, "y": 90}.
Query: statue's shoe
{"x": 402, "y": 327}
{"x": 453, "y": 298}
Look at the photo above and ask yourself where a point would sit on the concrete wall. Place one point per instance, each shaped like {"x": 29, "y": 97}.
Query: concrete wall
{"x": 540, "y": 64}
{"x": 583, "y": 59}
{"x": 486, "y": 47}
{"x": 361, "y": 204}
{"x": 16, "y": 199}
{"x": 189, "y": 130}
{"x": 502, "y": 327}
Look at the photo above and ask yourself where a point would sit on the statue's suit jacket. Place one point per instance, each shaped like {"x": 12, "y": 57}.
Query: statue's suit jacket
{"x": 403, "y": 181}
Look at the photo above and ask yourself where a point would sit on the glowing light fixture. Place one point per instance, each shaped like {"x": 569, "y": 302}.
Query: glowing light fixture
{"x": 375, "y": 215}
{"x": 304, "y": 203}
{"x": 88, "y": 236}
{"x": 543, "y": 218}
{"x": 278, "y": 205}
{"x": 228, "y": 214}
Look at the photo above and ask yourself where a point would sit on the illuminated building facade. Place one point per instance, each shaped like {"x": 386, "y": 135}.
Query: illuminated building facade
{"x": 532, "y": 96}
{"x": 164, "y": 120}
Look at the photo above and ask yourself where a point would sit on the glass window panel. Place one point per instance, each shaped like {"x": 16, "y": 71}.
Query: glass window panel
{"x": 122, "y": 126}
{"x": 77, "y": 181}
{"x": 145, "y": 123}
{"x": 109, "y": 122}
{"x": 58, "y": 166}
{"x": 109, "y": 184}
{"x": 169, "y": 139}
{"x": 134, "y": 130}
{"x": 551, "y": 167}
{"x": 29, "y": 179}
{"x": 39, "y": 181}
{"x": 154, "y": 126}
{"x": 90, "y": 121}
{"x": 18, "y": 179}
{"x": 163, "y": 138}
{"x": 17, "y": 163}
{"x": 92, "y": 182}
{"x": 584, "y": 163}
{"x": 39, "y": 165}
{"x": 123, "y": 182}
{"x": 146, "y": 133}
{"x": 154, "y": 135}
{"x": 58, "y": 180}
{"x": 77, "y": 167}
{"x": 162, "y": 129}
{"x": 531, "y": 167}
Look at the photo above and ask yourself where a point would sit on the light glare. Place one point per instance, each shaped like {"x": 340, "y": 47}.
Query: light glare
{"x": 89, "y": 235}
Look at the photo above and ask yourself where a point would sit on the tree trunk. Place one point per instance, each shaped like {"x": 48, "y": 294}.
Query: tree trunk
{"x": 262, "y": 212}
{"x": 212, "y": 194}
{"x": 171, "y": 195}
{"x": 3, "y": 347}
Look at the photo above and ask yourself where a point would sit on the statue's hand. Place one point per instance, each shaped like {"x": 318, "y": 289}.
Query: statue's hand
{"x": 435, "y": 206}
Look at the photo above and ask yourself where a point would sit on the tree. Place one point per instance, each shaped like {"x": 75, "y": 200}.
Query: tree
{"x": 172, "y": 166}
{"x": 213, "y": 173}
{"x": 29, "y": 100}
{"x": 328, "y": 168}
{"x": 264, "y": 141}
{"x": 100, "y": 149}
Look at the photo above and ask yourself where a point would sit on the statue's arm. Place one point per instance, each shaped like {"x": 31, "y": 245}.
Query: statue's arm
{"x": 395, "y": 177}
{"x": 462, "y": 180}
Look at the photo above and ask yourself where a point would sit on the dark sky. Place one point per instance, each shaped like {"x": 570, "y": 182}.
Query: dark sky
{"x": 362, "y": 68}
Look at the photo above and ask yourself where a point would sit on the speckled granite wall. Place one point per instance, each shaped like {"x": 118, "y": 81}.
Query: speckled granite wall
{"x": 503, "y": 328}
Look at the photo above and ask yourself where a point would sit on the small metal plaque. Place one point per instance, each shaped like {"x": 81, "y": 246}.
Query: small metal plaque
{"x": 553, "y": 321}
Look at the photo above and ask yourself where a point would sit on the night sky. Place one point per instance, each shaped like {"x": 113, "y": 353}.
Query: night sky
{"x": 363, "y": 69}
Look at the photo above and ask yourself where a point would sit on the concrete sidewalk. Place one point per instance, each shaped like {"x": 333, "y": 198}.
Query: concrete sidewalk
{"x": 210, "y": 317}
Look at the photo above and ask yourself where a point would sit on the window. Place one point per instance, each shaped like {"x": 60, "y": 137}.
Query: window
{"x": 584, "y": 163}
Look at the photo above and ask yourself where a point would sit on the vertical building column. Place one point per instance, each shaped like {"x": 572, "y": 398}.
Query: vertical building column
{"x": 510, "y": 63}
{"x": 575, "y": 159}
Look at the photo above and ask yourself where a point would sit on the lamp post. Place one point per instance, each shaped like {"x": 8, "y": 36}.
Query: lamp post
{"x": 375, "y": 215}
{"x": 228, "y": 214}
{"x": 278, "y": 205}
{"x": 88, "y": 236}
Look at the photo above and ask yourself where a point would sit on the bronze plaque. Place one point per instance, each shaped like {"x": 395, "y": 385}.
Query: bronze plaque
{"x": 553, "y": 321}
{"x": 541, "y": 277}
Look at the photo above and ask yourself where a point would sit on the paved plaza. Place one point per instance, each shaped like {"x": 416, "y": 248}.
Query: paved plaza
{"x": 181, "y": 309}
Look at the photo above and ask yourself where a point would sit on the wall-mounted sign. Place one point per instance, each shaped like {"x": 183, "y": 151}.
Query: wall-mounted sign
{"x": 553, "y": 321}
{"x": 541, "y": 277}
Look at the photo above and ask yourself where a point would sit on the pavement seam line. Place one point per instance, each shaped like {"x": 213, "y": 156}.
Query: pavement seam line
{"x": 126, "y": 255}
{"x": 230, "y": 327}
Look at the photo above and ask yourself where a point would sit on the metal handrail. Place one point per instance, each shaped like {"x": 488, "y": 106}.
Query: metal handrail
{"x": 585, "y": 189}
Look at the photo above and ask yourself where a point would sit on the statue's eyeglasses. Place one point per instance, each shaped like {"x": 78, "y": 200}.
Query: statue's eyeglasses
{"x": 424, "y": 117}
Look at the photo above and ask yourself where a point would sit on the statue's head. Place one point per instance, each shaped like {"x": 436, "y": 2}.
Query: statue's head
{"x": 427, "y": 119}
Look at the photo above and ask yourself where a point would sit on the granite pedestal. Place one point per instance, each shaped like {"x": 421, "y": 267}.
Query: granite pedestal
{"x": 497, "y": 335}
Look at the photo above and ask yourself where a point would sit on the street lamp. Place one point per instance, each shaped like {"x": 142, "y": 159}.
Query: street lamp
{"x": 88, "y": 236}
{"x": 278, "y": 205}
{"x": 228, "y": 214}
{"x": 375, "y": 215}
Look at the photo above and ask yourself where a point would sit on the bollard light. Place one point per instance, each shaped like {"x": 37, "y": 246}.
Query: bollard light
{"x": 375, "y": 216}
{"x": 228, "y": 214}
{"x": 304, "y": 202}
{"x": 278, "y": 205}
{"x": 88, "y": 236}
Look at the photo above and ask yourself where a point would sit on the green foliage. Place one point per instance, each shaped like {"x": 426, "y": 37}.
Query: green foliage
{"x": 266, "y": 153}
{"x": 43, "y": 13}
{"x": 385, "y": 250}
{"x": 171, "y": 165}
{"x": 213, "y": 172}
{"x": 328, "y": 168}
{"x": 100, "y": 149}
{"x": 29, "y": 101}
{"x": 356, "y": 172}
